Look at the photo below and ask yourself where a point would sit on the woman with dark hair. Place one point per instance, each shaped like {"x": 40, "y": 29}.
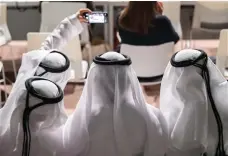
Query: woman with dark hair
{"x": 142, "y": 23}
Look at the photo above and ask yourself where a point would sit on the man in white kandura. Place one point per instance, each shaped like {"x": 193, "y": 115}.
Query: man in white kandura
{"x": 37, "y": 107}
{"x": 49, "y": 63}
{"x": 193, "y": 101}
{"x": 111, "y": 117}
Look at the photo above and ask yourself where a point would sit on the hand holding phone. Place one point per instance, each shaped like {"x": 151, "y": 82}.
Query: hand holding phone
{"x": 96, "y": 17}
{"x": 81, "y": 15}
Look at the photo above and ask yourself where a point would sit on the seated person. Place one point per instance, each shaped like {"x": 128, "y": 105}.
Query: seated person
{"x": 193, "y": 101}
{"x": 142, "y": 24}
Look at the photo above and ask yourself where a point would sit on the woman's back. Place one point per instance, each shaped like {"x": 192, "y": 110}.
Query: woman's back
{"x": 145, "y": 27}
{"x": 160, "y": 31}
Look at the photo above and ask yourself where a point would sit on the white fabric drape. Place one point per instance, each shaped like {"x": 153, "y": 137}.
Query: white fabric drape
{"x": 111, "y": 118}
{"x": 184, "y": 103}
{"x": 63, "y": 33}
{"x": 41, "y": 118}
{"x": 11, "y": 113}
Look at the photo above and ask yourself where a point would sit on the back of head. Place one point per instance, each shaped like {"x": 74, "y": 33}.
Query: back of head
{"x": 192, "y": 97}
{"x": 104, "y": 76}
{"x": 137, "y": 16}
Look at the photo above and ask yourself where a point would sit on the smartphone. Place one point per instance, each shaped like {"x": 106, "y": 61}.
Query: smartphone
{"x": 97, "y": 17}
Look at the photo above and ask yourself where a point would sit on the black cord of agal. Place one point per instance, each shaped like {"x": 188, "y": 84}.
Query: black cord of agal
{"x": 206, "y": 76}
{"x": 28, "y": 109}
{"x": 57, "y": 69}
{"x": 102, "y": 61}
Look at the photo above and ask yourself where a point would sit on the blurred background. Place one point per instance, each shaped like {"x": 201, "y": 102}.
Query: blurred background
{"x": 26, "y": 16}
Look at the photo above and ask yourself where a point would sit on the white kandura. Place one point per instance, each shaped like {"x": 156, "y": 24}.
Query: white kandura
{"x": 50, "y": 116}
{"x": 111, "y": 118}
{"x": 185, "y": 103}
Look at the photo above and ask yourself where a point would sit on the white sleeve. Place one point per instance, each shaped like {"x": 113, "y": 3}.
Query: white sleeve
{"x": 162, "y": 121}
{"x": 161, "y": 136}
{"x": 63, "y": 33}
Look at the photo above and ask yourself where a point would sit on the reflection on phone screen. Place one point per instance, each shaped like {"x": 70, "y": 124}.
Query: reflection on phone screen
{"x": 97, "y": 18}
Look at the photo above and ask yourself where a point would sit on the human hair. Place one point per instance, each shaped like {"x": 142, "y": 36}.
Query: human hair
{"x": 137, "y": 16}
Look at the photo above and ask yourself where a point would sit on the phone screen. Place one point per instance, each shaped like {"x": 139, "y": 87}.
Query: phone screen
{"x": 97, "y": 17}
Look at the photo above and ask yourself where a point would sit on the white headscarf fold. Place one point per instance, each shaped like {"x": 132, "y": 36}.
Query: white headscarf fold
{"x": 31, "y": 66}
{"x": 46, "y": 116}
{"x": 186, "y": 105}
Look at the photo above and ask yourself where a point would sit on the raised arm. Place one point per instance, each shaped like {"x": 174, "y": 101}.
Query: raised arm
{"x": 65, "y": 31}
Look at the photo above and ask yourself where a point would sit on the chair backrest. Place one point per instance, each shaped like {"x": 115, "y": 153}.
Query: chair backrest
{"x": 222, "y": 53}
{"x": 72, "y": 50}
{"x": 209, "y": 13}
{"x": 5, "y": 35}
{"x": 149, "y": 61}
{"x": 3, "y": 13}
{"x": 54, "y": 12}
{"x": 35, "y": 39}
{"x": 172, "y": 11}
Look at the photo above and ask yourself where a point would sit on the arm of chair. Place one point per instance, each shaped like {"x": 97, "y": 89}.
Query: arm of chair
{"x": 118, "y": 36}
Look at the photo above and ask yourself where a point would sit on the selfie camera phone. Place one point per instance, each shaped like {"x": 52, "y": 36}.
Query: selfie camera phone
{"x": 97, "y": 17}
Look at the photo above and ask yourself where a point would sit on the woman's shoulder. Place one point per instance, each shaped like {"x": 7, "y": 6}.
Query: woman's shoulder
{"x": 162, "y": 22}
{"x": 162, "y": 18}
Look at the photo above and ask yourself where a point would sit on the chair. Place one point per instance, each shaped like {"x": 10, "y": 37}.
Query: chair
{"x": 149, "y": 62}
{"x": 209, "y": 18}
{"x": 35, "y": 39}
{"x": 172, "y": 11}
{"x": 2, "y": 87}
{"x": 72, "y": 50}
{"x": 5, "y": 35}
{"x": 54, "y": 12}
{"x": 222, "y": 53}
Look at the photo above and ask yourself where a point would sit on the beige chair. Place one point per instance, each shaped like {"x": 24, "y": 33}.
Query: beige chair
{"x": 149, "y": 62}
{"x": 35, "y": 39}
{"x": 209, "y": 18}
{"x": 222, "y": 53}
{"x": 172, "y": 11}
{"x": 72, "y": 50}
{"x": 54, "y": 12}
{"x": 5, "y": 35}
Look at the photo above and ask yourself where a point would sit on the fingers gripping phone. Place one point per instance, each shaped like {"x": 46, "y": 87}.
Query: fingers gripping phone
{"x": 97, "y": 17}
